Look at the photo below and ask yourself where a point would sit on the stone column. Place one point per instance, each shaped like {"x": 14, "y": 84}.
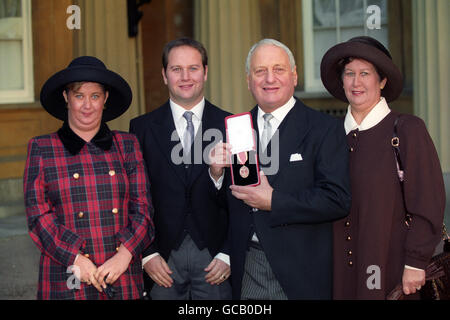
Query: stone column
{"x": 228, "y": 29}
{"x": 104, "y": 34}
{"x": 431, "y": 52}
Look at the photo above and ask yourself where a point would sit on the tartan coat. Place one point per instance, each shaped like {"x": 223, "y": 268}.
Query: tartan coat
{"x": 87, "y": 198}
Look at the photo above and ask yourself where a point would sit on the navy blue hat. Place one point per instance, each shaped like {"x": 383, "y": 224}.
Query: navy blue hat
{"x": 89, "y": 69}
{"x": 366, "y": 48}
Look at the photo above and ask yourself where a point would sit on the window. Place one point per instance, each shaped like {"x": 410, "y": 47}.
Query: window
{"x": 328, "y": 22}
{"x": 16, "y": 65}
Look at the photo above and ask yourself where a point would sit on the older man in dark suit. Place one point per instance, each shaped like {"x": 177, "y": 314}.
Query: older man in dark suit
{"x": 189, "y": 257}
{"x": 281, "y": 231}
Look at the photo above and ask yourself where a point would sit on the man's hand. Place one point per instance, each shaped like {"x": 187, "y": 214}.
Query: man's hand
{"x": 114, "y": 267}
{"x": 219, "y": 158}
{"x": 412, "y": 280}
{"x": 218, "y": 272}
{"x": 87, "y": 271}
{"x": 159, "y": 271}
{"x": 259, "y": 197}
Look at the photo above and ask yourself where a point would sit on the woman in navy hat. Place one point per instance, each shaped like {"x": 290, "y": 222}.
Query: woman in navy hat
{"x": 398, "y": 202}
{"x": 86, "y": 190}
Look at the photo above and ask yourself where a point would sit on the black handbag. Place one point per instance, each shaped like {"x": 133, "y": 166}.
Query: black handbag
{"x": 437, "y": 285}
{"x": 437, "y": 273}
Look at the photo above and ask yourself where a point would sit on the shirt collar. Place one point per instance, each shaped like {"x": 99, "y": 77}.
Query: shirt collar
{"x": 178, "y": 111}
{"x": 73, "y": 143}
{"x": 378, "y": 113}
{"x": 280, "y": 113}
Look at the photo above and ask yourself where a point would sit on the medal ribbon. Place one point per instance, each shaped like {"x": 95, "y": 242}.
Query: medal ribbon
{"x": 242, "y": 157}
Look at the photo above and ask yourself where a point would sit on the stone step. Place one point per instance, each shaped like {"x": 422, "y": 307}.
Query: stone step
{"x": 13, "y": 226}
{"x": 11, "y": 198}
{"x": 19, "y": 260}
{"x": 12, "y": 209}
{"x": 11, "y": 191}
{"x": 19, "y": 267}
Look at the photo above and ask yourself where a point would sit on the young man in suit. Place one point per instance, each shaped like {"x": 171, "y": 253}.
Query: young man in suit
{"x": 281, "y": 230}
{"x": 189, "y": 257}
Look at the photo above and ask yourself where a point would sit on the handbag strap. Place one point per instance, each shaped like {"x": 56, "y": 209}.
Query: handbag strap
{"x": 395, "y": 142}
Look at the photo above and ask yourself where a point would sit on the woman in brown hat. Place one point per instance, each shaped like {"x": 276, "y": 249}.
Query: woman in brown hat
{"x": 397, "y": 209}
{"x": 86, "y": 190}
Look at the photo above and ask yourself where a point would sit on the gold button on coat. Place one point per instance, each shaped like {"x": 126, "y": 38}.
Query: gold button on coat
{"x": 80, "y": 215}
{"x": 112, "y": 173}
{"x": 349, "y": 238}
{"x": 115, "y": 210}
{"x": 76, "y": 176}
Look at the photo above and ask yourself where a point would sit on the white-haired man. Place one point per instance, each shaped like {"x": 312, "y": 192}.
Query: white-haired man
{"x": 281, "y": 230}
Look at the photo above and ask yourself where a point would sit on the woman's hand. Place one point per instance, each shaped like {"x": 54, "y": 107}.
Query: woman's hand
{"x": 87, "y": 271}
{"x": 114, "y": 267}
{"x": 412, "y": 280}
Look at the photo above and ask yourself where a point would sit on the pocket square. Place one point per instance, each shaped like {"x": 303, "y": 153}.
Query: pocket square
{"x": 296, "y": 157}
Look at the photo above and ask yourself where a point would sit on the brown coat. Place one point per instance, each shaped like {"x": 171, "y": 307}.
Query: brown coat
{"x": 375, "y": 234}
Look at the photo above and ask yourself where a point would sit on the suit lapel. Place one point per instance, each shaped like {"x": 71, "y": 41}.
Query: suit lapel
{"x": 291, "y": 131}
{"x": 164, "y": 132}
{"x": 254, "y": 113}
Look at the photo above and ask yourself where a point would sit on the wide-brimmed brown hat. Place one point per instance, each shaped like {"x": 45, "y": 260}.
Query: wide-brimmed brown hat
{"x": 366, "y": 48}
{"x": 89, "y": 69}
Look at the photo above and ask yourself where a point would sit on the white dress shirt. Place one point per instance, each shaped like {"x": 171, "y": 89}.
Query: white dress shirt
{"x": 278, "y": 116}
{"x": 181, "y": 122}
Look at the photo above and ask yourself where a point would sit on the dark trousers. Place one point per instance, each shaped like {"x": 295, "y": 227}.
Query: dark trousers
{"x": 259, "y": 282}
{"x": 188, "y": 264}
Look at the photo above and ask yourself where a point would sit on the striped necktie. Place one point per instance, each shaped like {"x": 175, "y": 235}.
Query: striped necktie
{"x": 267, "y": 131}
{"x": 188, "y": 138}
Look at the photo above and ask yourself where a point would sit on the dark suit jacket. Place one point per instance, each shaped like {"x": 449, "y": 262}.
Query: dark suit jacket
{"x": 174, "y": 195}
{"x": 296, "y": 235}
